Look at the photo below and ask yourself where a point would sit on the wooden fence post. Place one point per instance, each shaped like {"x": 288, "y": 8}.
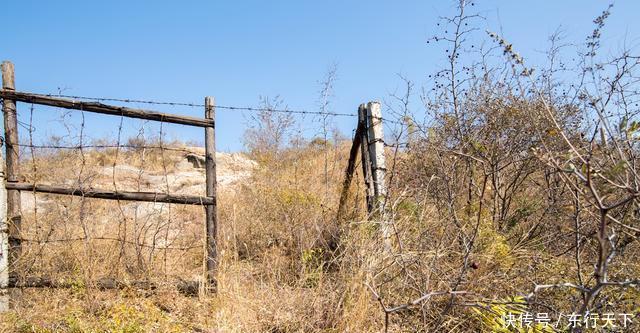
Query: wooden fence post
{"x": 12, "y": 164}
{"x": 351, "y": 168}
{"x": 366, "y": 158}
{"x": 211, "y": 210}
{"x": 378, "y": 168}
{"x": 4, "y": 242}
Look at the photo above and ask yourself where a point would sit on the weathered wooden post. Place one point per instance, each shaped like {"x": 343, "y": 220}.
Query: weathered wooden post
{"x": 4, "y": 242}
{"x": 12, "y": 163}
{"x": 351, "y": 168}
{"x": 210, "y": 210}
{"x": 366, "y": 157}
{"x": 378, "y": 169}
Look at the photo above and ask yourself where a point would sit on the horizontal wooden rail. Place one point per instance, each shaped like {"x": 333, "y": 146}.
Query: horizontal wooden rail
{"x": 112, "y": 195}
{"x": 188, "y": 288}
{"x": 104, "y": 283}
{"x": 104, "y": 108}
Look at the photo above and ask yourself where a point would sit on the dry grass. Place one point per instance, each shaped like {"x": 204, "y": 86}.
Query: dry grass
{"x": 278, "y": 273}
{"x": 286, "y": 265}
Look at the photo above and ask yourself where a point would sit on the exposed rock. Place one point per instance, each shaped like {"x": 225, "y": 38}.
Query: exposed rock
{"x": 198, "y": 161}
{"x": 187, "y": 177}
{"x": 29, "y": 202}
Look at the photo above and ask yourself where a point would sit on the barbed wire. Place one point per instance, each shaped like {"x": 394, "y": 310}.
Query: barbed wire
{"x": 103, "y": 238}
{"x": 177, "y": 149}
{"x": 339, "y": 114}
{"x": 199, "y": 105}
{"x": 106, "y": 146}
{"x": 130, "y": 222}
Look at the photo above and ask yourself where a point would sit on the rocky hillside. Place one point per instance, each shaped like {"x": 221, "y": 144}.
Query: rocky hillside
{"x": 179, "y": 172}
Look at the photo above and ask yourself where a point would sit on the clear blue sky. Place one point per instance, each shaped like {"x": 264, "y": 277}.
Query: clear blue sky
{"x": 239, "y": 50}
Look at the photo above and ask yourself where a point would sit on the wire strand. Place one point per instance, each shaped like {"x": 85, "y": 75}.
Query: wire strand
{"x": 226, "y": 107}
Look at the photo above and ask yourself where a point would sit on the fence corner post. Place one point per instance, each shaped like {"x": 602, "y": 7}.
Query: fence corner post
{"x": 378, "y": 169}
{"x": 366, "y": 158}
{"x": 211, "y": 251}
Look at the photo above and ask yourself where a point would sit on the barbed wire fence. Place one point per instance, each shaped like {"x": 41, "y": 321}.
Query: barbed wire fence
{"x": 72, "y": 237}
{"x": 150, "y": 233}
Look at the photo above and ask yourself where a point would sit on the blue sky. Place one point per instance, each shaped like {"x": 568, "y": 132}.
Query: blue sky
{"x": 240, "y": 50}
